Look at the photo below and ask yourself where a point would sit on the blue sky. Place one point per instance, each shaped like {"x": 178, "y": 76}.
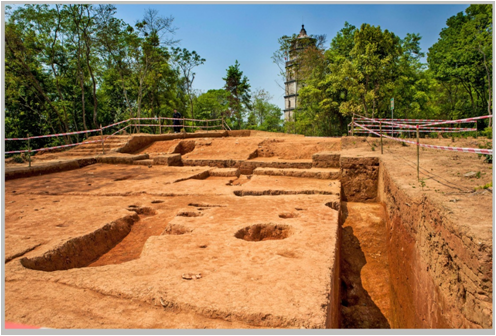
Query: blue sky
{"x": 223, "y": 34}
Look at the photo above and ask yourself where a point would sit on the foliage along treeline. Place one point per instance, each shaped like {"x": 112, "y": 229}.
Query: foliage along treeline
{"x": 75, "y": 67}
{"x": 365, "y": 67}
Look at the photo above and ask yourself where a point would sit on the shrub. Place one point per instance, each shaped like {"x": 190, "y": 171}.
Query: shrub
{"x": 488, "y": 132}
{"x": 433, "y": 135}
{"x": 18, "y": 159}
{"x": 488, "y": 158}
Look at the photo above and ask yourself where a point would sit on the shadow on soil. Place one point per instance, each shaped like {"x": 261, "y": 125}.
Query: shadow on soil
{"x": 358, "y": 310}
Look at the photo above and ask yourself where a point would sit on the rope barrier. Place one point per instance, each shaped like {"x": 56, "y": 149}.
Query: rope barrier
{"x": 101, "y": 129}
{"x": 456, "y": 149}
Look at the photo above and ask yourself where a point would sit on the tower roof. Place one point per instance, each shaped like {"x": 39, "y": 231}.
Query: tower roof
{"x": 303, "y": 32}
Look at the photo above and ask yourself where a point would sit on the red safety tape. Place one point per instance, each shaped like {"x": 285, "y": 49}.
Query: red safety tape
{"x": 430, "y": 128}
{"x": 93, "y": 141}
{"x": 459, "y": 121}
{"x": 96, "y": 130}
{"x": 389, "y": 123}
{"x": 118, "y": 123}
{"x": 166, "y": 118}
{"x": 388, "y": 130}
{"x": 406, "y": 120}
{"x": 455, "y": 149}
{"x": 53, "y": 135}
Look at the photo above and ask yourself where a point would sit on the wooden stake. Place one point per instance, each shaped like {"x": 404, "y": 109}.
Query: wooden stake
{"x": 380, "y": 131}
{"x": 29, "y": 152}
{"x": 103, "y": 146}
{"x": 352, "y": 125}
{"x": 183, "y": 125}
{"x": 160, "y": 124}
{"x": 418, "y": 154}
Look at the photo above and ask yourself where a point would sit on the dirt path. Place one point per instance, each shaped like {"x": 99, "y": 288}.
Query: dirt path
{"x": 365, "y": 288}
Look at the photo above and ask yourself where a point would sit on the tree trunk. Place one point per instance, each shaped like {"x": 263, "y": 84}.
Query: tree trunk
{"x": 489, "y": 90}
{"x": 66, "y": 119}
{"x": 88, "y": 51}
{"x": 365, "y": 106}
{"x": 80, "y": 71}
{"x": 95, "y": 100}
{"x": 469, "y": 91}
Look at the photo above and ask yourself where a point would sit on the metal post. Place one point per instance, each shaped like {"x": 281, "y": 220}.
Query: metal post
{"x": 380, "y": 131}
{"x": 418, "y": 154}
{"x": 392, "y": 125}
{"x": 29, "y": 152}
{"x": 103, "y": 145}
{"x": 352, "y": 125}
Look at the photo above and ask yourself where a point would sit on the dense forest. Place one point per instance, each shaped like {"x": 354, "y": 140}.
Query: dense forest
{"x": 365, "y": 67}
{"x": 74, "y": 67}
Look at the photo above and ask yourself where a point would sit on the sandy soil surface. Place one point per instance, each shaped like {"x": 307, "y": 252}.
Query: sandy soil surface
{"x": 241, "y": 148}
{"x": 257, "y": 266}
{"x": 173, "y": 249}
{"x": 297, "y": 148}
{"x": 262, "y": 184}
{"x": 106, "y": 180}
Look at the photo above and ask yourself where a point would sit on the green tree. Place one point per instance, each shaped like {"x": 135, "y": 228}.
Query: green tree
{"x": 238, "y": 90}
{"x": 264, "y": 115}
{"x": 212, "y": 104}
{"x": 72, "y": 67}
{"x": 461, "y": 61}
{"x": 186, "y": 61}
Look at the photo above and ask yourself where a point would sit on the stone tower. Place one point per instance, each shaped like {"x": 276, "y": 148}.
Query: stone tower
{"x": 292, "y": 86}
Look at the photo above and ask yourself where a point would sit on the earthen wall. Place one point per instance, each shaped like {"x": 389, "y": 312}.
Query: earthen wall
{"x": 440, "y": 278}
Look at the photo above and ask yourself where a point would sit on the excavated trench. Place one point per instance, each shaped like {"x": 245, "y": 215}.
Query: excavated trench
{"x": 386, "y": 279}
{"x": 403, "y": 263}
{"x": 116, "y": 242}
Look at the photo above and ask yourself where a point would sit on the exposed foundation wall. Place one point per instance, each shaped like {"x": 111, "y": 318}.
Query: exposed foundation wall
{"x": 440, "y": 278}
{"x": 16, "y": 173}
{"x": 359, "y": 176}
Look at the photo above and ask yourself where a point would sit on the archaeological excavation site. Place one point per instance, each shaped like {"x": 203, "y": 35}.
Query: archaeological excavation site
{"x": 249, "y": 229}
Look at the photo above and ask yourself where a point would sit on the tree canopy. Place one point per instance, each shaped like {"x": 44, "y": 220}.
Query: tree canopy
{"x": 365, "y": 67}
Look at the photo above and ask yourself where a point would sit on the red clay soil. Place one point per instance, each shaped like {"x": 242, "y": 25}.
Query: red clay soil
{"x": 171, "y": 247}
{"x": 56, "y": 305}
{"x": 297, "y": 148}
{"x": 242, "y": 148}
{"x": 440, "y": 232}
{"x": 274, "y": 282}
{"x": 365, "y": 286}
